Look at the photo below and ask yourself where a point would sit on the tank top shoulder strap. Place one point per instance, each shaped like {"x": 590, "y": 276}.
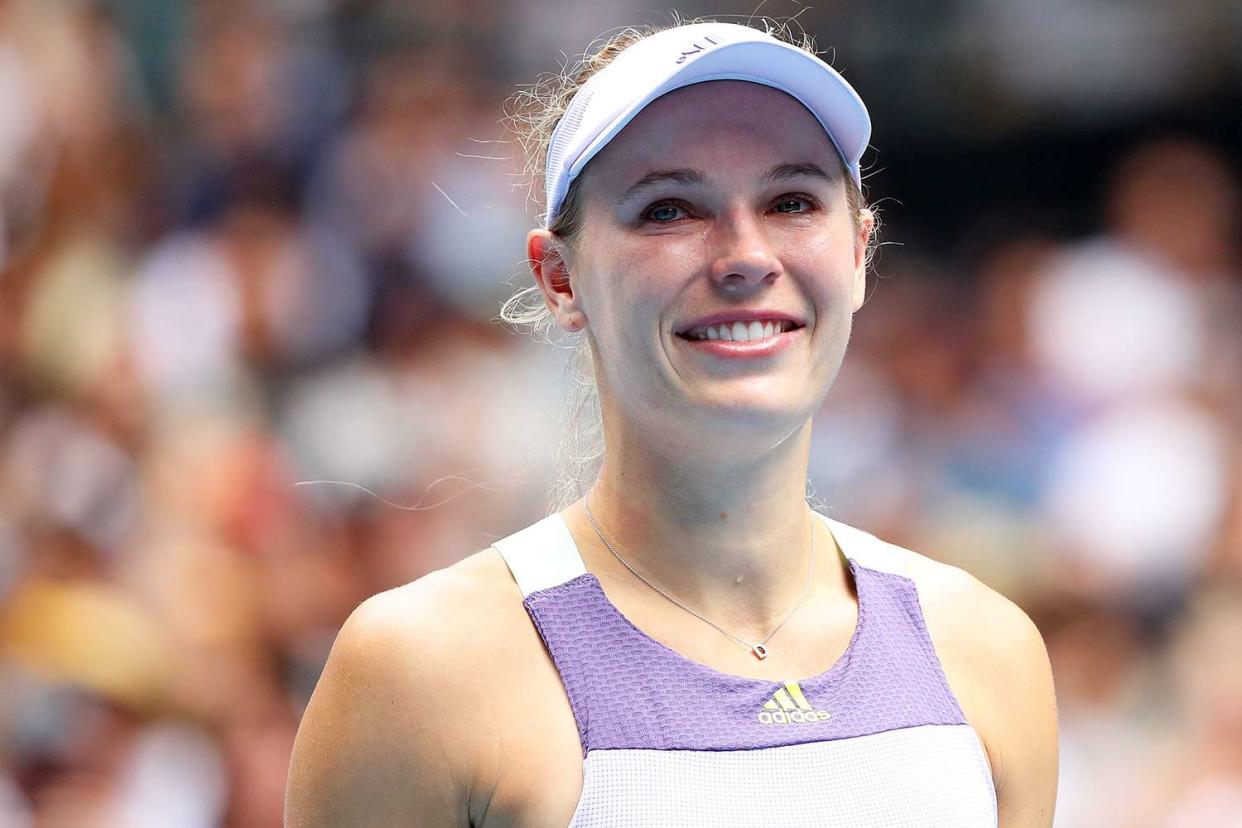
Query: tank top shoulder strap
{"x": 862, "y": 547}
{"x": 542, "y": 555}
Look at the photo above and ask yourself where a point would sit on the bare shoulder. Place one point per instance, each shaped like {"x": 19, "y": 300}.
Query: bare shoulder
{"x": 374, "y": 746}
{"x": 997, "y": 665}
{"x": 960, "y": 610}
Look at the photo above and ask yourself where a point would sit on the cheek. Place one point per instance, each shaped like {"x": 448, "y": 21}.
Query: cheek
{"x": 640, "y": 279}
{"x": 625, "y": 307}
{"x": 830, "y": 264}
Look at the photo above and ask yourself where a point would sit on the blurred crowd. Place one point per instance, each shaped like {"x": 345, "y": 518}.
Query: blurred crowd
{"x": 251, "y": 256}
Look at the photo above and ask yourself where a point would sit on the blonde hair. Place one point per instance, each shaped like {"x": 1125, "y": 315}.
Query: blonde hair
{"x": 532, "y": 114}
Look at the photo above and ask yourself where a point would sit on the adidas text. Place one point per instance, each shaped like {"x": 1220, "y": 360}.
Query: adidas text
{"x": 793, "y": 716}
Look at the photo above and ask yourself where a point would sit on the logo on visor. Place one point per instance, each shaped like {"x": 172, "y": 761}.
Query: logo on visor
{"x": 698, "y": 47}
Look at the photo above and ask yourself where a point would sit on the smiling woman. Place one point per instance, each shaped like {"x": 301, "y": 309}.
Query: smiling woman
{"x": 534, "y": 116}
{"x": 682, "y": 640}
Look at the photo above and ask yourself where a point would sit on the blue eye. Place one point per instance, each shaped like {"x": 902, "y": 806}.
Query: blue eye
{"x": 662, "y": 206}
{"x": 794, "y": 200}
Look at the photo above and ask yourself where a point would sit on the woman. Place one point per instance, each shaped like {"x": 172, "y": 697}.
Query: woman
{"x": 719, "y": 653}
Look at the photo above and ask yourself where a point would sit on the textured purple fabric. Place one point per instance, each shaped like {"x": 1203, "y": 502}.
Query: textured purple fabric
{"x": 628, "y": 690}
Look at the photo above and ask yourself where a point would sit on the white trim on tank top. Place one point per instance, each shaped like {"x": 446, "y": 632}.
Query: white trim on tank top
{"x": 544, "y": 554}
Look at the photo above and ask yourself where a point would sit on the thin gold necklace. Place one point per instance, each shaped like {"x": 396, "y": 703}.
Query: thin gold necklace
{"x": 758, "y": 649}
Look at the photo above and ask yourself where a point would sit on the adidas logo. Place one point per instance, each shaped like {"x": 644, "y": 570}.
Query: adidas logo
{"x": 789, "y": 706}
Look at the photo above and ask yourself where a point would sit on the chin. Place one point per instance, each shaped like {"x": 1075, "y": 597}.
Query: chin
{"x": 763, "y": 417}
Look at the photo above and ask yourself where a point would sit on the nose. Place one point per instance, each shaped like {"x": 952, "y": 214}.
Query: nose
{"x": 744, "y": 257}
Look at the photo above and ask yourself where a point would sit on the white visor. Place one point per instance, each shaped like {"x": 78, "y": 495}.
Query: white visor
{"x": 692, "y": 54}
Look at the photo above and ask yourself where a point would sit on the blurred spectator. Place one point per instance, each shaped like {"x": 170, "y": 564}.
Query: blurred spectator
{"x": 1199, "y": 780}
{"x": 1110, "y": 724}
{"x": 1123, "y": 325}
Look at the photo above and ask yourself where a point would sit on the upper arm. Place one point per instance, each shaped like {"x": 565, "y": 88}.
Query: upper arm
{"x": 1017, "y": 711}
{"x": 374, "y": 746}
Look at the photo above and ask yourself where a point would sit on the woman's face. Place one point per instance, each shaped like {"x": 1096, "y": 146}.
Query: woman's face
{"x": 720, "y": 202}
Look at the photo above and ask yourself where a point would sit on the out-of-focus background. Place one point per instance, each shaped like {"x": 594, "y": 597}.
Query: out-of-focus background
{"x": 245, "y": 244}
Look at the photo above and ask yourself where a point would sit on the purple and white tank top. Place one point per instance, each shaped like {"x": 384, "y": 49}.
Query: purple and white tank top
{"x": 878, "y": 739}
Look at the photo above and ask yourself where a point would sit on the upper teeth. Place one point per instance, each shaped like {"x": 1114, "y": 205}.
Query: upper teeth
{"x": 740, "y": 331}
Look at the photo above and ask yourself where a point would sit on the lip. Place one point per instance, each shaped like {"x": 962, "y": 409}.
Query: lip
{"x": 744, "y": 350}
{"x": 739, "y": 315}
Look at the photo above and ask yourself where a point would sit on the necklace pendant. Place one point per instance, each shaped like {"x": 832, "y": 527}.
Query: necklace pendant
{"x": 760, "y": 651}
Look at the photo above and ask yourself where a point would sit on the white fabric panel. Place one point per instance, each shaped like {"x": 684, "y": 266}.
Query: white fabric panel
{"x": 934, "y": 776}
{"x": 541, "y": 555}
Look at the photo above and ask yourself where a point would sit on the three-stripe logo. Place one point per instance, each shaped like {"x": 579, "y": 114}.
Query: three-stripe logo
{"x": 789, "y": 706}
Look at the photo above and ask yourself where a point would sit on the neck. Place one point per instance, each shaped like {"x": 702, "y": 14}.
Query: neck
{"x": 728, "y": 535}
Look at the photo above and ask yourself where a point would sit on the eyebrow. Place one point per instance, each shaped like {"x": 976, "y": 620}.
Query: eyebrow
{"x": 685, "y": 177}
{"x": 688, "y": 177}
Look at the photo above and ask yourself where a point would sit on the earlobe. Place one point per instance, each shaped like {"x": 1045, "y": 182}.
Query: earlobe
{"x": 554, "y": 280}
{"x": 860, "y": 288}
{"x": 862, "y": 243}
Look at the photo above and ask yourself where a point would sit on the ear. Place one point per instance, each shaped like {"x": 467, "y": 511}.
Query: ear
{"x": 866, "y": 226}
{"x": 547, "y": 263}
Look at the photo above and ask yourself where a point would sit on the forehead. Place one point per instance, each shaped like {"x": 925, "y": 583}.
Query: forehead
{"x": 717, "y": 126}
